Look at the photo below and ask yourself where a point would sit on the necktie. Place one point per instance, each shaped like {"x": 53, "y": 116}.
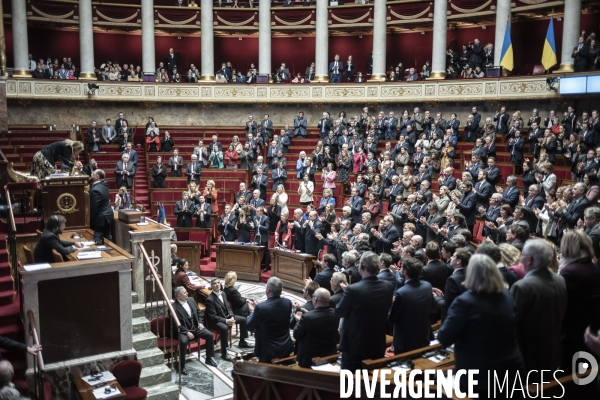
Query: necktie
{"x": 225, "y": 227}
{"x": 125, "y": 167}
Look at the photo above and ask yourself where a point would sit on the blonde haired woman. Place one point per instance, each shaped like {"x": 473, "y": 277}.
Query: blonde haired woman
{"x": 210, "y": 194}
{"x": 44, "y": 161}
{"x": 122, "y": 199}
{"x": 239, "y": 304}
{"x": 194, "y": 193}
{"x": 305, "y": 190}
{"x": 282, "y": 198}
{"x": 237, "y": 145}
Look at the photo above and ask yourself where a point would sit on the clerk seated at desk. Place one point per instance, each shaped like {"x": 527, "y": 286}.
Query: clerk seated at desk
{"x": 182, "y": 278}
{"x": 50, "y": 241}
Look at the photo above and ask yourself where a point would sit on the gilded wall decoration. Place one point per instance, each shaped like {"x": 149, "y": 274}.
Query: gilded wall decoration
{"x": 523, "y": 87}
{"x": 149, "y": 91}
{"x": 459, "y": 90}
{"x": 234, "y": 92}
{"x": 55, "y": 88}
{"x": 11, "y": 87}
{"x": 290, "y": 92}
{"x": 429, "y": 90}
{"x": 490, "y": 88}
{"x": 372, "y": 91}
{"x": 394, "y": 91}
{"x": 186, "y": 91}
{"x": 206, "y": 92}
{"x": 317, "y": 92}
{"x": 261, "y": 92}
{"x": 118, "y": 90}
{"x": 345, "y": 92}
{"x": 24, "y": 87}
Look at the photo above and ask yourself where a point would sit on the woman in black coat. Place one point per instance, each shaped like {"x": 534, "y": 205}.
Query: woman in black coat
{"x": 528, "y": 176}
{"x": 239, "y": 304}
{"x": 243, "y": 225}
{"x": 44, "y": 161}
{"x": 481, "y": 325}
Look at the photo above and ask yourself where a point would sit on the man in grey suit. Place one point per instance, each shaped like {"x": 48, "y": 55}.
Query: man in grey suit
{"x": 109, "y": 135}
{"x": 356, "y": 204}
{"x": 125, "y": 172}
{"x": 541, "y": 303}
{"x": 300, "y": 126}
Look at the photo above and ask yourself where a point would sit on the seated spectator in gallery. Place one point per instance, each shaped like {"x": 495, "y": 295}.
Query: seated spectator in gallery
{"x": 359, "y": 78}
{"x": 220, "y": 78}
{"x": 412, "y": 75}
{"x": 298, "y": 79}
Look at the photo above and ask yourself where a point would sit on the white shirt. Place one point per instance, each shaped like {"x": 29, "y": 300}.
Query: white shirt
{"x": 186, "y": 307}
{"x": 219, "y": 296}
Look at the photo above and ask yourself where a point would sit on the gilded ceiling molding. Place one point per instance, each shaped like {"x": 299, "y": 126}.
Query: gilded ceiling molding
{"x": 350, "y": 21}
{"x": 533, "y": 2}
{"x": 411, "y": 16}
{"x": 292, "y": 23}
{"x": 117, "y": 20}
{"x": 49, "y": 16}
{"x": 246, "y": 22}
{"x": 473, "y": 10}
{"x": 187, "y": 21}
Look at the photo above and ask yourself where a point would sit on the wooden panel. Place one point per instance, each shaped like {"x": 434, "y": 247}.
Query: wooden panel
{"x": 244, "y": 260}
{"x": 82, "y": 321}
{"x": 67, "y": 196}
{"x": 291, "y": 268}
{"x": 191, "y": 252}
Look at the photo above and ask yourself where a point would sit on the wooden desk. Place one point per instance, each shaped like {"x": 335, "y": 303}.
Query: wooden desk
{"x": 245, "y": 261}
{"x": 87, "y": 235}
{"x": 292, "y": 268}
{"x": 191, "y": 252}
{"x": 85, "y": 389}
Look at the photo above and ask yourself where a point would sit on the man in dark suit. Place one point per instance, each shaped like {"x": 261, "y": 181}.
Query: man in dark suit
{"x": 193, "y": 170}
{"x": 335, "y": 69}
{"x": 227, "y": 224}
{"x": 300, "y": 126}
{"x": 125, "y": 172}
{"x": 480, "y": 150}
{"x": 541, "y": 302}
{"x": 298, "y": 231}
{"x": 316, "y": 332}
{"x": 133, "y": 156}
{"x": 192, "y": 327}
{"x": 311, "y": 228}
{"x": 483, "y": 189}
{"x": 511, "y": 194}
{"x": 244, "y": 192}
{"x": 454, "y": 283}
{"x": 448, "y": 179}
{"x": 501, "y": 119}
{"x": 533, "y": 201}
{"x": 409, "y": 313}
{"x": 385, "y": 262}
{"x": 393, "y": 191}
{"x": 364, "y": 308}
{"x": 323, "y": 278}
{"x": 515, "y": 148}
{"x": 270, "y": 321}
{"x": 391, "y": 127}
{"x": 184, "y": 209}
{"x": 119, "y": 123}
{"x": 574, "y": 211}
{"x": 260, "y": 224}
{"x": 279, "y": 175}
{"x": 325, "y": 125}
{"x": 101, "y": 213}
{"x": 16, "y": 347}
{"x": 471, "y": 129}
{"x": 467, "y": 204}
{"x": 203, "y": 213}
{"x": 49, "y": 240}
{"x": 386, "y": 238}
{"x": 356, "y": 203}
{"x": 435, "y": 271}
{"x": 94, "y": 137}
{"x": 171, "y": 61}
{"x": 176, "y": 163}
{"x": 592, "y": 227}
{"x": 221, "y": 317}
{"x": 260, "y": 182}
{"x": 90, "y": 167}
{"x": 336, "y": 280}
{"x": 491, "y": 214}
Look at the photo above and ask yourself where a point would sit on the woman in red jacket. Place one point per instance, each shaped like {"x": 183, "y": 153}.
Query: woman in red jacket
{"x": 231, "y": 158}
{"x": 372, "y": 207}
{"x": 182, "y": 278}
{"x": 283, "y": 231}
{"x": 152, "y": 142}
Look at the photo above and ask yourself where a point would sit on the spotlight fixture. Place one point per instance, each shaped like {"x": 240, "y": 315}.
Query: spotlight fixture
{"x": 92, "y": 87}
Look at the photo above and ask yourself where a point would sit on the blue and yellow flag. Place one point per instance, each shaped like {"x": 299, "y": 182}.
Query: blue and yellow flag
{"x": 506, "y": 56}
{"x": 549, "y": 55}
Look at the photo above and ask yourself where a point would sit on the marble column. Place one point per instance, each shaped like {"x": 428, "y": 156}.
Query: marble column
{"x": 571, "y": 33}
{"x": 379, "y": 40}
{"x": 438, "y": 48}
{"x": 207, "y": 43}
{"x": 148, "y": 52}
{"x": 86, "y": 40}
{"x": 502, "y": 15}
{"x": 264, "y": 37}
{"x": 2, "y": 46}
{"x": 20, "y": 43}
{"x": 322, "y": 42}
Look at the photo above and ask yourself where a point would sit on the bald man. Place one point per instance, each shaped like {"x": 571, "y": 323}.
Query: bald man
{"x": 316, "y": 332}
{"x": 7, "y": 388}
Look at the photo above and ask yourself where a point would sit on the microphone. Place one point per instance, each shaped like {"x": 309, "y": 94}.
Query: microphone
{"x": 279, "y": 246}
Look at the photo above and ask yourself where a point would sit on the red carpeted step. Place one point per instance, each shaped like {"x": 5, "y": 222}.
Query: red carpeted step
{"x": 4, "y": 268}
{"x": 10, "y": 314}
{"x": 12, "y": 331}
{"x": 264, "y": 276}
{"x": 209, "y": 269}
{"x": 3, "y": 255}
{"x": 205, "y": 261}
{"x": 6, "y": 297}
{"x": 6, "y": 283}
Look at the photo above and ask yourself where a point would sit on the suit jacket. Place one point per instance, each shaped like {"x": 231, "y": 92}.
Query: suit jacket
{"x": 172, "y": 61}
{"x": 323, "y": 278}
{"x": 385, "y": 243}
{"x": 239, "y": 305}
{"x": 101, "y": 213}
{"x": 124, "y": 180}
{"x": 279, "y": 177}
{"x": 502, "y": 123}
{"x": 270, "y": 323}
{"x": 12, "y": 346}
{"x": 300, "y": 126}
{"x": 467, "y": 206}
{"x": 218, "y": 310}
{"x": 410, "y": 316}
{"x": 516, "y": 150}
{"x": 197, "y": 173}
{"x": 454, "y": 288}
{"x": 188, "y": 323}
{"x": 510, "y": 196}
{"x": 483, "y": 191}
{"x": 541, "y": 302}
{"x": 340, "y": 67}
{"x": 261, "y": 228}
{"x": 364, "y": 308}
{"x": 206, "y": 209}
{"x": 311, "y": 243}
{"x": 133, "y": 158}
{"x": 435, "y": 272}
{"x": 316, "y": 335}
{"x": 573, "y": 212}
{"x": 50, "y": 241}
{"x": 184, "y": 218}
{"x": 261, "y": 184}
{"x": 230, "y": 235}
{"x": 389, "y": 276}
{"x": 247, "y": 194}
{"x": 449, "y": 182}
{"x": 325, "y": 125}
{"x": 172, "y": 164}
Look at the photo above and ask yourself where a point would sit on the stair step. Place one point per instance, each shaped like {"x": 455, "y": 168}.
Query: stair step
{"x": 6, "y": 283}
{"x": 13, "y": 331}
{"x": 3, "y": 255}
{"x": 143, "y": 341}
{"x": 151, "y": 357}
{"x": 137, "y": 310}
{"x": 134, "y": 297}
{"x": 155, "y": 375}
{"x": 4, "y": 268}
{"x": 164, "y": 391}
{"x": 140, "y": 324}
{"x": 6, "y": 297}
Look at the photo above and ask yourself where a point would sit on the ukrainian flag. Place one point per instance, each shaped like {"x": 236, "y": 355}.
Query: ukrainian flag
{"x": 506, "y": 56}
{"x": 549, "y": 55}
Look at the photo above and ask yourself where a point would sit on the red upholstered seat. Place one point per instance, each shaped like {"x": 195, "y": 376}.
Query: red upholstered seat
{"x": 128, "y": 375}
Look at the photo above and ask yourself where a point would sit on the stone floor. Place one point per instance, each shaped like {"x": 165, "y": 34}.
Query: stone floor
{"x": 205, "y": 382}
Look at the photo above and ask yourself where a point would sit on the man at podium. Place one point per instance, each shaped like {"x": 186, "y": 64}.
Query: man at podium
{"x": 50, "y": 241}
{"x": 101, "y": 213}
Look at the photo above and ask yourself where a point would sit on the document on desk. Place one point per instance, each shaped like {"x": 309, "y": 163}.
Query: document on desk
{"x": 94, "y": 380}
{"x": 89, "y": 255}
{"x": 101, "y": 394}
{"x": 37, "y": 267}
{"x": 327, "y": 368}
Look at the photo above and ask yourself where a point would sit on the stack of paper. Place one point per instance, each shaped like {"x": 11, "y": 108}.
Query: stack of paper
{"x": 36, "y": 267}
{"x": 327, "y": 368}
{"x": 100, "y": 394}
{"x": 89, "y": 255}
